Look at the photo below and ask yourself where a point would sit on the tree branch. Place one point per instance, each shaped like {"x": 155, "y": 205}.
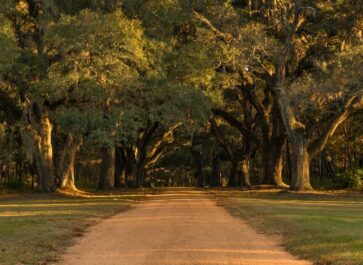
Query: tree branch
{"x": 222, "y": 141}
{"x": 159, "y": 147}
{"x": 252, "y": 97}
{"x": 224, "y": 36}
{"x": 140, "y": 150}
{"x": 247, "y": 134}
{"x": 353, "y": 103}
{"x": 318, "y": 144}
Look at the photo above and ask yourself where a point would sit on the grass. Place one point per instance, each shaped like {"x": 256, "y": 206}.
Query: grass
{"x": 35, "y": 229}
{"x": 326, "y": 228}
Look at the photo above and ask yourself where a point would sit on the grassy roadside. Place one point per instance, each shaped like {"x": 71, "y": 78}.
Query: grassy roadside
{"x": 325, "y": 228}
{"x": 35, "y": 229}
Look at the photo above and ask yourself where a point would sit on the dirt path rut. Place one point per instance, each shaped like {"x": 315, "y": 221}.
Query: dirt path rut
{"x": 176, "y": 228}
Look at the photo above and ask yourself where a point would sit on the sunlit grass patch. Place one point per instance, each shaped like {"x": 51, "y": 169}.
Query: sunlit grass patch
{"x": 35, "y": 229}
{"x": 324, "y": 227}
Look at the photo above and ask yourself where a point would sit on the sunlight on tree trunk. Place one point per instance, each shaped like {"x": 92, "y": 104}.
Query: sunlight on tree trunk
{"x": 41, "y": 136}
{"x": 245, "y": 169}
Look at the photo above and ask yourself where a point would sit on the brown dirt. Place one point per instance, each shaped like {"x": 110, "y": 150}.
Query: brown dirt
{"x": 180, "y": 227}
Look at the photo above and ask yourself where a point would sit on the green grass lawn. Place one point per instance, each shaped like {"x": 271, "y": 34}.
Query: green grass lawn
{"x": 324, "y": 228}
{"x": 35, "y": 229}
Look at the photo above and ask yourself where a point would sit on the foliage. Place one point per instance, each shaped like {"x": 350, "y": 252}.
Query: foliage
{"x": 112, "y": 72}
{"x": 9, "y": 49}
{"x": 353, "y": 177}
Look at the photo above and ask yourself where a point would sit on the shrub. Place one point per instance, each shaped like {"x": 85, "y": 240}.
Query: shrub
{"x": 353, "y": 178}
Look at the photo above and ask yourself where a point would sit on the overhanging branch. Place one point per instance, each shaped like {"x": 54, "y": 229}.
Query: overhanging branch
{"x": 353, "y": 103}
{"x": 224, "y": 36}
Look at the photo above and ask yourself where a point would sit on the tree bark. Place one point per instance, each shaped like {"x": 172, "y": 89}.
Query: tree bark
{"x": 140, "y": 175}
{"x": 273, "y": 134}
{"x": 139, "y": 154}
{"x": 300, "y": 154}
{"x": 120, "y": 169}
{"x": 215, "y": 171}
{"x": 139, "y": 170}
{"x": 273, "y": 159}
{"x": 300, "y": 165}
{"x": 245, "y": 168}
{"x": 107, "y": 171}
{"x": 129, "y": 166}
{"x": 67, "y": 177}
{"x": 41, "y": 138}
{"x": 272, "y": 129}
{"x": 234, "y": 174}
{"x": 295, "y": 130}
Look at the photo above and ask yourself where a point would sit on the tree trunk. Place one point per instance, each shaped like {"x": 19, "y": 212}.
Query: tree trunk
{"x": 295, "y": 130}
{"x": 300, "y": 165}
{"x": 273, "y": 133}
{"x": 288, "y": 162}
{"x": 120, "y": 170}
{"x": 140, "y": 173}
{"x": 107, "y": 171}
{"x": 68, "y": 179}
{"x": 200, "y": 179}
{"x": 41, "y": 137}
{"x": 215, "y": 171}
{"x": 245, "y": 168}
{"x": 64, "y": 165}
{"x": 129, "y": 167}
{"x": 139, "y": 165}
{"x": 233, "y": 179}
{"x": 20, "y": 166}
{"x": 329, "y": 165}
{"x": 296, "y": 135}
{"x": 273, "y": 159}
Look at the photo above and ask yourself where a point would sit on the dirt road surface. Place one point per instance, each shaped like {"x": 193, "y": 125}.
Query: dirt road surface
{"x": 176, "y": 228}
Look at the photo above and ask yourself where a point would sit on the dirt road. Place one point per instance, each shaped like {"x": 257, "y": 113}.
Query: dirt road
{"x": 176, "y": 228}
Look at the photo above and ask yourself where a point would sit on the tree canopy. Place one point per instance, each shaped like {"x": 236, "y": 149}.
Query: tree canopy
{"x": 112, "y": 93}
